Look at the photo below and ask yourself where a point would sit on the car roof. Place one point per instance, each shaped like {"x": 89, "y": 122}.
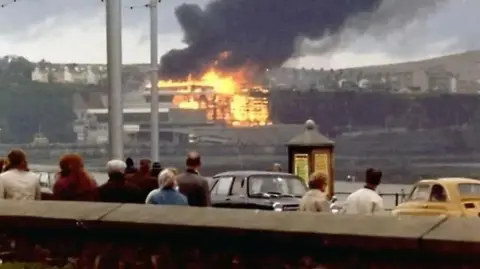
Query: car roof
{"x": 451, "y": 180}
{"x": 248, "y": 173}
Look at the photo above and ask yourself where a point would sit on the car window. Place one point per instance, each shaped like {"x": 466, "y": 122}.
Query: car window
{"x": 238, "y": 186}
{"x": 214, "y": 187}
{"x": 469, "y": 189}
{"x": 438, "y": 194}
{"x": 421, "y": 192}
{"x": 273, "y": 184}
{"x": 222, "y": 186}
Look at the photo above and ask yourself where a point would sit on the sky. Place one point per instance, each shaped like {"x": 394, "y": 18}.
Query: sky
{"x": 74, "y": 31}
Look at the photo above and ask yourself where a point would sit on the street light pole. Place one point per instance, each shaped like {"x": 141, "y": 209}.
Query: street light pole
{"x": 114, "y": 65}
{"x": 154, "y": 80}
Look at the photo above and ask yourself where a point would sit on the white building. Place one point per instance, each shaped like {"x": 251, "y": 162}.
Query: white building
{"x": 71, "y": 73}
{"x": 67, "y": 75}
{"x": 91, "y": 77}
{"x": 40, "y": 75}
{"x": 453, "y": 84}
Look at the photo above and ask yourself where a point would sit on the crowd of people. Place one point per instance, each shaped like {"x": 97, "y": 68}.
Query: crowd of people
{"x": 147, "y": 184}
{"x": 152, "y": 184}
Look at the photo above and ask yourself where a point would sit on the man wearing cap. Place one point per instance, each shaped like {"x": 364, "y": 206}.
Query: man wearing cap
{"x": 117, "y": 189}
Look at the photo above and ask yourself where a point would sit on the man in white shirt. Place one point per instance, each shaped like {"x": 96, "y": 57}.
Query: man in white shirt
{"x": 366, "y": 200}
{"x": 18, "y": 183}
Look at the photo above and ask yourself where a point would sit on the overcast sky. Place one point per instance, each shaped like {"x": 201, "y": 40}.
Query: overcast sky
{"x": 74, "y": 31}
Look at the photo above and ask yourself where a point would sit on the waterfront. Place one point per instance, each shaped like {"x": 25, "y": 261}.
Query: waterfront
{"x": 341, "y": 187}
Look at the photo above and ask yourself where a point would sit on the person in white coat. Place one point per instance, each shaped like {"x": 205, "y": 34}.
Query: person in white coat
{"x": 18, "y": 183}
{"x": 366, "y": 200}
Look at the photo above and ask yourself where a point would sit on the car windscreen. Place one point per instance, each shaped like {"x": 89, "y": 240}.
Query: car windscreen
{"x": 421, "y": 192}
{"x": 469, "y": 189}
{"x": 288, "y": 186}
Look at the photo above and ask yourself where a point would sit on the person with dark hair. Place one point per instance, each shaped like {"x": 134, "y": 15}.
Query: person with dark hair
{"x": 192, "y": 184}
{"x": 143, "y": 178}
{"x": 366, "y": 200}
{"x": 315, "y": 200}
{"x": 18, "y": 183}
{"x": 131, "y": 169}
{"x": 156, "y": 169}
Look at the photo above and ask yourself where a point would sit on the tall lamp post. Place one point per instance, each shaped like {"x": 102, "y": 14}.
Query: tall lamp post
{"x": 154, "y": 136}
{"x": 114, "y": 65}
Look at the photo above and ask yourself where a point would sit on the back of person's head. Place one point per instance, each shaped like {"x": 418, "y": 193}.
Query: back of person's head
{"x": 317, "y": 180}
{"x": 373, "y": 176}
{"x": 166, "y": 179}
{"x": 17, "y": 159}
{"x": 116, "y": 166}
{"x": 129, "y": 162}
{"x": 144, "y": 165}
{"x": 277, "y": 167}
{"x": 71, "y": 163}
{"x": 156, "y": 169}
{"x": 64, "y": 165}
{"x": 173, "y": 170}
{"x": 156, "y": 166}
{"x": 193, "y": 160}
{"x": 76, "y": 162}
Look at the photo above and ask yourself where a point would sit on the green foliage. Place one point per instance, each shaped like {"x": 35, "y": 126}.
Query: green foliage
{"x": 27, "y": 107}
{"x": 15, "y": 70}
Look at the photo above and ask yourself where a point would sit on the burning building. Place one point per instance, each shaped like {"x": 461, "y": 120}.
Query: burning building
{"x": 228, "y": 99}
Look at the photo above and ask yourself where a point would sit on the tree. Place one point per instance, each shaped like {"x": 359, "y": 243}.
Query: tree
{"x": 16, "y": 70}
{"x": 36, "y": 108}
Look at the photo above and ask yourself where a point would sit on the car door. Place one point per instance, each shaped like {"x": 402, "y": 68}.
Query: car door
{"x": 220, "y": 192}
{"x": 417, "y": 201}
{"x": 238, "y": 193}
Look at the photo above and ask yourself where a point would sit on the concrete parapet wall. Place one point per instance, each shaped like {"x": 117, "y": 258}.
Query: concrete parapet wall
{"x": 100, "y": 235}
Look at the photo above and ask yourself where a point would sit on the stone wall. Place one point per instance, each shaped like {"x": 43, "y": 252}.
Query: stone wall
{"x": 98, "y": 235}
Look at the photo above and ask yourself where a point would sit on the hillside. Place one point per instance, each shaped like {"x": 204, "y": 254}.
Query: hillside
{"x": 466, "y": 65}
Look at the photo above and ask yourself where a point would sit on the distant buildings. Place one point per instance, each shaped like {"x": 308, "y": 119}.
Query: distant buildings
{"x": 427, "y": 80}
{"x": 69, "y": 73}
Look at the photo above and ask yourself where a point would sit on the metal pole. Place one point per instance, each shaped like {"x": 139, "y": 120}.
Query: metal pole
{"x": 154, "y": 80}
{"x": 114, "y": 65}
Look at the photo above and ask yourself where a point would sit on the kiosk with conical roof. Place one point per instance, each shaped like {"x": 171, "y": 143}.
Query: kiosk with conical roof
{"x": 311, "y": 152}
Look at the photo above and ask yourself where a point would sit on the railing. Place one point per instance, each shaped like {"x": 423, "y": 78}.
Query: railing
{"x": 399, "y": 197}
{"x": 396, "y": 198}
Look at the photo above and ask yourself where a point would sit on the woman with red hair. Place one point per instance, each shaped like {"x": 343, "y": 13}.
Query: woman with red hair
{"x": 74, "y": 183}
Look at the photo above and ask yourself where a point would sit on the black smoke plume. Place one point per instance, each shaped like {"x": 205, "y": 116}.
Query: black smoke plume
{"x": 258, "y": 32}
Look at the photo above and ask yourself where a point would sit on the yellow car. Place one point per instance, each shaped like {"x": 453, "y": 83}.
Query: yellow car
{"x": 443, "y": 196}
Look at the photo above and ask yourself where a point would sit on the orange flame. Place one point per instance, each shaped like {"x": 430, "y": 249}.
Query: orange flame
{"x": 223, "y": 96}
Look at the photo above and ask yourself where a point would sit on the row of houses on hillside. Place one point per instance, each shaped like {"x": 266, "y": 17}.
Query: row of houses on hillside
{"x": 45, "y": 72}
{"x": 433, "y": 79}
